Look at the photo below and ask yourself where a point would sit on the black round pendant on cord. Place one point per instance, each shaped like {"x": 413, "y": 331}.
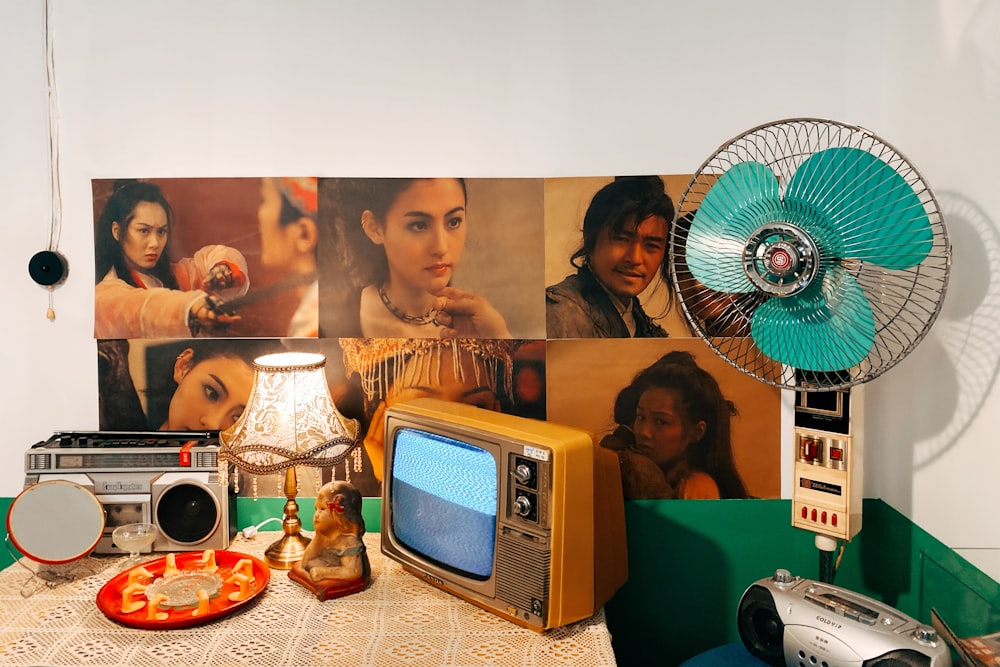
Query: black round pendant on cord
{"x": 47, "y": 268}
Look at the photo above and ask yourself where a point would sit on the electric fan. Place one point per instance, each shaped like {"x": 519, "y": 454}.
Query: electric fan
{"x": 809, "y": 254}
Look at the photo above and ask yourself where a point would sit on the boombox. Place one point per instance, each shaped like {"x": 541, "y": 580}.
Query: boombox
{"x": 166, "y": 478}
{"x": 786, "y": 620}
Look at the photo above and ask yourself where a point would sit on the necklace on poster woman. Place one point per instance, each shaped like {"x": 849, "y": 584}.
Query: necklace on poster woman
{"x": 430, "y": 317}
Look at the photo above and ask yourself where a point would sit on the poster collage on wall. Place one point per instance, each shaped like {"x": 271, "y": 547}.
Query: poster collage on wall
{"x": 411, "y": 287}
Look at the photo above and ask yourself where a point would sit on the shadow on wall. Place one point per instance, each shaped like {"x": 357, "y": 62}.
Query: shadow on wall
{"x": 966, "y": 328}
{"x": 659, "y": 551}
{"x": 959, "y": 358}
{"x": 689, "y": 563}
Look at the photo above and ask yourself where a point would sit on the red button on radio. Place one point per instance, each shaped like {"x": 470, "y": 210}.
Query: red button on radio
{"x": 184, "y": 454}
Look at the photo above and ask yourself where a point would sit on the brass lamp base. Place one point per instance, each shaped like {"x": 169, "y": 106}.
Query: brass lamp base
{"x": 289, "y": 548}
{"x": 286, "y": 551}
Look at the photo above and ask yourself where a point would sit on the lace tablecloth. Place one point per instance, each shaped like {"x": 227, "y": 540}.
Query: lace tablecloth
{"x": 398, "y": 620}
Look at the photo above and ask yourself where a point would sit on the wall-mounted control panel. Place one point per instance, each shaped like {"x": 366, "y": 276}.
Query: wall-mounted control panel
{"x": 828, "y": 483}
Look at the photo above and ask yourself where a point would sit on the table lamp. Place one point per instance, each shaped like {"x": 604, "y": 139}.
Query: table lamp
{"x": 290, "y": 420}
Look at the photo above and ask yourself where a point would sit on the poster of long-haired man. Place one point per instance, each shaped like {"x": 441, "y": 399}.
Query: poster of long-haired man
{"x": 607, "y": 273}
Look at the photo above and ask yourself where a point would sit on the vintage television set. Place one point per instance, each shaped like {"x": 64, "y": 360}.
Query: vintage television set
{"x": 521, "y": 517}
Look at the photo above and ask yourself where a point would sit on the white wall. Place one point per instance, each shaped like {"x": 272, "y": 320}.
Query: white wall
{"x": 516, "y": 88}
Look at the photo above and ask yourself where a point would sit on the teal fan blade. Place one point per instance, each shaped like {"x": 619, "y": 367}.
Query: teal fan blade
{"x": 858, "y": 207}
{"x": 744, "y": 198}
{"x": 829, "y": 326}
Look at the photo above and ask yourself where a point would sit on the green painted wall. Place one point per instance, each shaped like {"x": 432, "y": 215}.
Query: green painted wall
{"x": 5, "y": 554}
{"x": 690, "y": 561}
{"x": 252, "y": 512}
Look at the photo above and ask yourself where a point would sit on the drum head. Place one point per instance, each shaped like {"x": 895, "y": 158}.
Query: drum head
{"x": 55, "y": 522}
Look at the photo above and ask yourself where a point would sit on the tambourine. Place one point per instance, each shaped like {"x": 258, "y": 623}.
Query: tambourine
{"x": 55, "y": 521}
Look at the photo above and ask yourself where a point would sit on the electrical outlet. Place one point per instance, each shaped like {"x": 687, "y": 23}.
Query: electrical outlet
{"x": 829, "y": 457}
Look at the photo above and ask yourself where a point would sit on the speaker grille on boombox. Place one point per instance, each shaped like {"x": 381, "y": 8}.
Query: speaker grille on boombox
{"x": 192, "y": 512}
{"x": 900, "y": 658}
{"x": 760, "y": 627}
{"x": 187, "y": 514}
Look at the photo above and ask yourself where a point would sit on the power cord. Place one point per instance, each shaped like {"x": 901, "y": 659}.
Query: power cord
{"x": 250, "y": 531}
{"x": 828, "y": 565}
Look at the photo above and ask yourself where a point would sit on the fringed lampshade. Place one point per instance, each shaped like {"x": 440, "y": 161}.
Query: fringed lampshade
{"x": 290, "y": 420}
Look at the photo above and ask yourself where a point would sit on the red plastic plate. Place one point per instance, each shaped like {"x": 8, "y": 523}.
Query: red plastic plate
{"x": 109, "y": 598}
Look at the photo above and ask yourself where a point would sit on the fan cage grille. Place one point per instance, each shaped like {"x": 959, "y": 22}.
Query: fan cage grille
{"x": 905, "y": 303}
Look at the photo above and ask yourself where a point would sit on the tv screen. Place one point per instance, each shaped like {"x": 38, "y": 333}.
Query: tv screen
{"x": 444, "y": 496}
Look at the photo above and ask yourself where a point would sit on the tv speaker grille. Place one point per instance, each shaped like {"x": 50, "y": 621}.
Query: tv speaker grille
{"x": 522, "y": 571}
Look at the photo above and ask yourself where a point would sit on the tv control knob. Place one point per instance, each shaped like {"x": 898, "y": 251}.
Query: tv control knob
{"x": 782, "y": 576}
{"x": 522, "y": 506}
{"x": 522, "y": 473}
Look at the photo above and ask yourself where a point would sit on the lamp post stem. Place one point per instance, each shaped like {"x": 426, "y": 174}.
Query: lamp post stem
{"x": 290, "y": 547}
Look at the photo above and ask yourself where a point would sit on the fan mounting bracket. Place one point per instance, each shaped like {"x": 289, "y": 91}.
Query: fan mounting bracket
{"x": 780, "y": 259}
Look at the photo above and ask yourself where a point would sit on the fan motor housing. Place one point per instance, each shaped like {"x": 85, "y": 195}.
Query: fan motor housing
{"x": 780, "y": 259}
